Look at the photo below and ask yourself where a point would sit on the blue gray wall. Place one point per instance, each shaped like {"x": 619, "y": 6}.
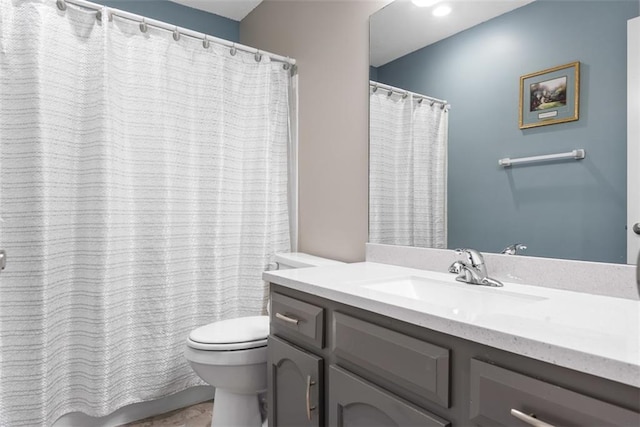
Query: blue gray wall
{"x": 373, "y": 73}
{"x": 181, "y": 16}
{"x": 574, "y": 209}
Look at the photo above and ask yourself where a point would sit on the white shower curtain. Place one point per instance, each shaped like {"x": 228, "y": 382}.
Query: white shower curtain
{"x": 407, "y": 171}
{"x": 143, "y": 190}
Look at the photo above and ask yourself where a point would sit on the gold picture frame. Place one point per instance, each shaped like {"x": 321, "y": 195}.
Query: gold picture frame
{"x": 550, "y": 96}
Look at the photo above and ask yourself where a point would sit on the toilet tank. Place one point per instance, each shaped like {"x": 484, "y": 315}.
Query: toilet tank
{"x": 301, "y": 260}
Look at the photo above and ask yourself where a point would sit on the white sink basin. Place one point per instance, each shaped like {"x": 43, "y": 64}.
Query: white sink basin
{"x": 451, "y": 297}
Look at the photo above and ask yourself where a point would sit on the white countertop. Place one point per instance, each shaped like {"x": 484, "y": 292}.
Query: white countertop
{"x": 594, "y": 334}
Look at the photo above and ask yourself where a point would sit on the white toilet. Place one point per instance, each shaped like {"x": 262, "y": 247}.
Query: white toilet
{"x": 231, "y": 355}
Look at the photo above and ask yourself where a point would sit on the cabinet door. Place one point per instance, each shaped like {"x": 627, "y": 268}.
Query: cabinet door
{"x": 295, "y": 385}
{"x": 354, "y": 402}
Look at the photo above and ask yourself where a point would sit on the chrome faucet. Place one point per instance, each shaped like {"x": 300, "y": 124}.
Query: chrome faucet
{"x": 471, "y": 269}
{"x": 513, "y": 249}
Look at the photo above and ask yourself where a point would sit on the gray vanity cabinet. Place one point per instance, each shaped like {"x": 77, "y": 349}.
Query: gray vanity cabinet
{"x": 354, "y": 402}
{"x": 295, "y": 379}
{"x": 375, "y": 371}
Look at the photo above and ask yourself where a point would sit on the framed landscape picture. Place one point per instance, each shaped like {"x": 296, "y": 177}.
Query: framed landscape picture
{"x": 550, "y": 96}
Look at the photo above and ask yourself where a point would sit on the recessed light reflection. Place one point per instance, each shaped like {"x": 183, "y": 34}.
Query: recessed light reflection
{"x": 443, "y": 10}
{"x": 425, "y": 3}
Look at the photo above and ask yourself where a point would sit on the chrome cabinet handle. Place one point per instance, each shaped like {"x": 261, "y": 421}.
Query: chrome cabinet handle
{"x": 529, "y": 419}
{"x": 287, "y": 318}
{"x": 636, "y": 228}
{"x": 3, "y": 260}
{"x": 309, "y": 407}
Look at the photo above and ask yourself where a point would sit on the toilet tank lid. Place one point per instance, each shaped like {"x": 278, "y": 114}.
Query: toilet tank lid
{"x": 300, "y": 259}
{"x": 241, "y": 329}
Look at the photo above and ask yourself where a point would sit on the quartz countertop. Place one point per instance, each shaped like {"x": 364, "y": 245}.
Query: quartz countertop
{"x": 595, "y": 334}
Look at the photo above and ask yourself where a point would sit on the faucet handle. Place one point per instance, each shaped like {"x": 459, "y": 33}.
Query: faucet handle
{"x": 456, "y": 267}
{"x": 473, "y": 257}
{"x": 513, "y": 249}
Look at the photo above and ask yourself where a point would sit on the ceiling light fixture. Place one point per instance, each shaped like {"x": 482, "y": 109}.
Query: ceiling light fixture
{"x": 425, "y": 3}
{"x": 443, "y": 10}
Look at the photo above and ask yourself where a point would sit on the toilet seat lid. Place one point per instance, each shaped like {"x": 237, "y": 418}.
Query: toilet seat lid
{"x": 233, "y": 331}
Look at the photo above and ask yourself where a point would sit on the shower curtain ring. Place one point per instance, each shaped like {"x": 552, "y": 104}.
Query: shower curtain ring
{"x": 176, "y": 34}
{"x": 390, "y": 93}
{"x": 258, "y": 56}
{"x": 420, "y": 100}
{"x": 406, "y": 94}
{"x": 233, "y": 50}
{"x": 286, "y": 65}
{"x": 205, "y": 42}
{"x": 62, "y": 5}
{"x": 99, "y": 15}
{"x": 143, "y": 26}
{"x": 432, "y": 102}
{"x": 375, "y": 88}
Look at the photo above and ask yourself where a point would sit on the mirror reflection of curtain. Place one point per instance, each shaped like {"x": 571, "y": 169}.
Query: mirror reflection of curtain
{"x": 408, "y": 171}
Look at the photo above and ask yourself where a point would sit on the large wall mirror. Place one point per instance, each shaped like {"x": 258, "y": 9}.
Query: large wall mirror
{"x": 445, "y": 103}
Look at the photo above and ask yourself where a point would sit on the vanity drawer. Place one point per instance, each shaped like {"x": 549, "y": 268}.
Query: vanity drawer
{"x": 297, "y": 320}
{"x": 497, "y": 392}
{"x": 393, "y": 358}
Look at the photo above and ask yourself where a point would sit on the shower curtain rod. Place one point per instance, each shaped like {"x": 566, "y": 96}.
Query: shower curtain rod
{"x": 178, "y": 31}
{"x": 392, "y": 89}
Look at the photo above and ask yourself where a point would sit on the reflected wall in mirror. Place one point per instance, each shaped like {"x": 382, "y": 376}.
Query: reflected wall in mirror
{"x": 558, "y": 209}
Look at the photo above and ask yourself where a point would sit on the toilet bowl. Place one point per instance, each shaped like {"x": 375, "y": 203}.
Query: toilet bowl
{"x": 231, "y": 355}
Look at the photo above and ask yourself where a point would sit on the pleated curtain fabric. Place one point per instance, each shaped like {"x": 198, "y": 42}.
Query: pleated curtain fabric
{"x": 407, "y": 171}
{"x": 143, "y": 190}
{"x": 429, "y": 161}
{"x": 391, "y": 182}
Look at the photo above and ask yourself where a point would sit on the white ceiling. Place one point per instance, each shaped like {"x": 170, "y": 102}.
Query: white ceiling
{"x": 232, "y": 9}
{"x": 402, "y": 27}
{"x": 397, "y": 29}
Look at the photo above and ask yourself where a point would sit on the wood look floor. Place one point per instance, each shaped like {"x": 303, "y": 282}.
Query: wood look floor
{"x": 194, "y": 416}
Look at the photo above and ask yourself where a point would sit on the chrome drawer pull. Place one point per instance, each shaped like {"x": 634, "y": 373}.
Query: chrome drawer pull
{"x": 287, "y": 319}
{"x": 309, "y": 407}
{"x": 529, "y": 419}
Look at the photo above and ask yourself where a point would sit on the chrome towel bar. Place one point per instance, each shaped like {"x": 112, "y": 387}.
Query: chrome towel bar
{"x": 575, "y": 154}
